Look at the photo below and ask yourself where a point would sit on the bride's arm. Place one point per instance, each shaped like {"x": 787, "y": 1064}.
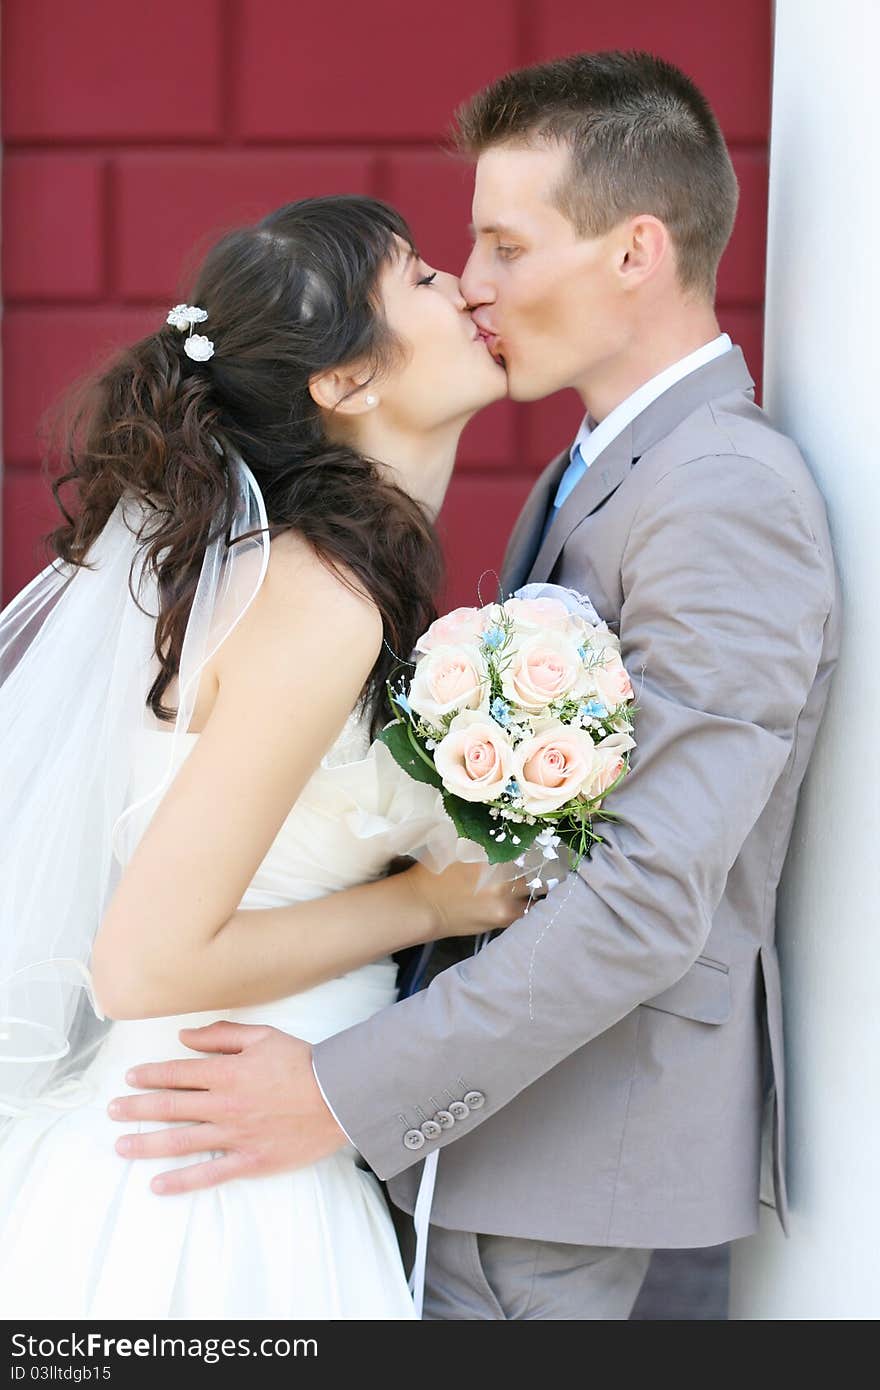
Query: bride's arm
{"x": 172, "y": 939}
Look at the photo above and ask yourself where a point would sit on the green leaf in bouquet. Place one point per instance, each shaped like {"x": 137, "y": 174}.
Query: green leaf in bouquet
{"x": 408, "y": 753}
{"x": 473, "y": 822}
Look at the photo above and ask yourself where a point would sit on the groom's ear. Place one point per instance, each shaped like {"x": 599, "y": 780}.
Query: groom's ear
{"x": 643, "y": 248}
{"x": 344, "y": 392}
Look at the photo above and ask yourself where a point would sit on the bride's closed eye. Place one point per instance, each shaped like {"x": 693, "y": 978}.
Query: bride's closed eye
{"x": 427, "y": 279}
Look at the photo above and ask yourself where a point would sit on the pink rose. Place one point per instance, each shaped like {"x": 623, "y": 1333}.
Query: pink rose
{"x": 544, "y": 614}
{"x": 611, "y": 681}
{"x": 541, "y": 668}
{"x": 448, "y": 679}
{"x": 461, "y": 625}
{"x": 608, "y": 763}
{"x": 553, "y": 766}
{"x": 475, "y": 758}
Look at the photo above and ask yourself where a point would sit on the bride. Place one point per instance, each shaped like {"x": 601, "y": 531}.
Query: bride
{"x": 195, "y": 823}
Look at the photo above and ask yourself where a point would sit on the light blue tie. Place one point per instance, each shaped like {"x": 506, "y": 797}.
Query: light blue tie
{"x": 571, "y": 477}
{"x": 567, "y": 483}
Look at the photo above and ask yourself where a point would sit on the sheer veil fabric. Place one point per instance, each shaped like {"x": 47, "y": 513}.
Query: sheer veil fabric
{"x": 76, "y": 662}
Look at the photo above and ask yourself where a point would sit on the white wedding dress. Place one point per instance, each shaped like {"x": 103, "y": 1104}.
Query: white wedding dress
{"x": 81, "y": 1233}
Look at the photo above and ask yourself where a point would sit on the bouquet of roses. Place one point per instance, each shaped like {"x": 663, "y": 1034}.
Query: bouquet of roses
{"x": 520, "y": 714}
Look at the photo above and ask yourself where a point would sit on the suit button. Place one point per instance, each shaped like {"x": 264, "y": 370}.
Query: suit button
{"x": 458, "y": 1110}
{"x": 474, "y": 1099}
{"x": 444, "y": 1119}
{"x": 414, "y": 1139}
{"x": 431, "y": 1129}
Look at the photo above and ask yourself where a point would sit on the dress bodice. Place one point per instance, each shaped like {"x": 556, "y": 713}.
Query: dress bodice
{"x": 356, "y": 812}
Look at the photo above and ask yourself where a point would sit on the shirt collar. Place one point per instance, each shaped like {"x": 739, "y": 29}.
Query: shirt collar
{"x": 592, "y": 438}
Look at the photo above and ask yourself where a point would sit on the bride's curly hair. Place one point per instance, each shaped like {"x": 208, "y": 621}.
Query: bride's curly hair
{"x": 289, "y": 298}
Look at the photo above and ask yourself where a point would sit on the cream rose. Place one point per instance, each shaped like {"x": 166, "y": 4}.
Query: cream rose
{"x": 611, "y": 681}
{"x": 475, "y": 759}
{"x": 553, "y": 766}
{"x": 608, "y": 763}
{"x": 600, "y": 640}
{"x": 448, "y": 679}
{"x": 462, "y": 625}
{"x": 541, "y": 668}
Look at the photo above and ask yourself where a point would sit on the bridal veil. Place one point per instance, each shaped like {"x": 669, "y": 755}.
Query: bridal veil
{"x": 77, "y": 660}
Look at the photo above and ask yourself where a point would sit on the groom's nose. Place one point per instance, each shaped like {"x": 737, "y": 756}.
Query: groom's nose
{"x": 476, "y": 284}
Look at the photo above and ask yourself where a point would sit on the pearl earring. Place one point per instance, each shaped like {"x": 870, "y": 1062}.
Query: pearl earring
{"x": 370, "y": 400}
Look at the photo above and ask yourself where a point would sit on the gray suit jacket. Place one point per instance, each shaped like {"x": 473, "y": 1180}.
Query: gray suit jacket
{"x": 608, "y": 1057}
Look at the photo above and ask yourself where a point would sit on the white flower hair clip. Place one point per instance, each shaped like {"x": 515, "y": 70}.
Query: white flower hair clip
{"x": 185, "y": 317}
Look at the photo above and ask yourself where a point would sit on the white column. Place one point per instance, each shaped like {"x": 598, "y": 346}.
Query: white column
{"x": 822, "y": 387}
{"x": 4, "y": 598}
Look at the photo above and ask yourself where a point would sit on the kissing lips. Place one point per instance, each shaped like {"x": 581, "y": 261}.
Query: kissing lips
{"x": 492, "y": 343}
{"x": 495, "y": 349}
{"x": 490, "y": 340}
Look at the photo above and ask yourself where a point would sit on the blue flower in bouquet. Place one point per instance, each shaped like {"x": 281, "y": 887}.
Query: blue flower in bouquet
{"x": 493, "y": 638}
{"x": 403, "y": 702}
{"x": 500, "y": 711}
{"x": 593, "y": 709}
{"x": 512, "y": 789}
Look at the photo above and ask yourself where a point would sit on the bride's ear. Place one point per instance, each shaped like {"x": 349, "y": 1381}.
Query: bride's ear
{"x": 343, "y": 392}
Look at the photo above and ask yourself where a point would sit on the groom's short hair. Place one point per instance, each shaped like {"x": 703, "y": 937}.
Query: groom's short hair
{"x": 643, "y": 139}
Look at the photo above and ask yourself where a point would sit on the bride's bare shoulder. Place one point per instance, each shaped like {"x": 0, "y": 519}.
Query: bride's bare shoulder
{"x": 296, "y": 572}
{"x": 303, "y": 598}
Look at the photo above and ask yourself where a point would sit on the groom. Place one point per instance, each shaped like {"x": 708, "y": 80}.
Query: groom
{"x": 594, "y": 1081}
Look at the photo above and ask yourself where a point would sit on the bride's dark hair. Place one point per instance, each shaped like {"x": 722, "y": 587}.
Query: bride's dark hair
{"x": 293, "y": 296}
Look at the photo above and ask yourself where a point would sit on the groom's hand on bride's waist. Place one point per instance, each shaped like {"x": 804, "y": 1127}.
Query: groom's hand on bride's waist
{"x": 255, "y": 1106}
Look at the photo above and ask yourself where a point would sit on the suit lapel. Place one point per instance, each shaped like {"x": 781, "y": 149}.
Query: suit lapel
{"x": 720, "y": 377}
{"x": 526, "y": 534}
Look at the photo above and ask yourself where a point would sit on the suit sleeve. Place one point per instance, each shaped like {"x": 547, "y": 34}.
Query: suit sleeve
{"x": 726, "y": 594}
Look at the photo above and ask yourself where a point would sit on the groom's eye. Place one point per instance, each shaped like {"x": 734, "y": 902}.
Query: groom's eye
{"x": 507, "y": 252}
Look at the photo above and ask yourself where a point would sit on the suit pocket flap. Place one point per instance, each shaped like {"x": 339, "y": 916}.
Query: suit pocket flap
{"x": 702, "y": 993}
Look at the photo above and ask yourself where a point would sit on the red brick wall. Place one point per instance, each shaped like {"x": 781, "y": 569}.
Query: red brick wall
{"x": 133, "y": 132}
